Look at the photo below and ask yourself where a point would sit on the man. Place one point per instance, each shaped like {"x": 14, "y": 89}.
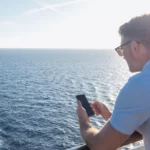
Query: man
{"x": 132, "y": 108}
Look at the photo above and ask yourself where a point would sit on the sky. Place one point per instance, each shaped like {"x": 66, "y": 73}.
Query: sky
{"x": 77, "y": 24}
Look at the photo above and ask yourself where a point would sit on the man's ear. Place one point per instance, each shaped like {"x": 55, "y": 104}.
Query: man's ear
{"x": 135, "y": 48}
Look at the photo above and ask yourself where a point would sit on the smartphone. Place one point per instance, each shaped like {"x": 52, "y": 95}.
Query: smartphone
{"x": 82, "y": 98}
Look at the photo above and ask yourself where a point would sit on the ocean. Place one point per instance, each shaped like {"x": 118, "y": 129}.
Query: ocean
{"x": 38, "y": 89}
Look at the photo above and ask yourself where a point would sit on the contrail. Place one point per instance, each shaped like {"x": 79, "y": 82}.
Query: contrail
{"x": 51, "y": 7}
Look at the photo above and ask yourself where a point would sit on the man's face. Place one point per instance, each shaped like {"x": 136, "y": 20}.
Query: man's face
{"x": 127, "y": 53}
{"x": 134, "y": 53}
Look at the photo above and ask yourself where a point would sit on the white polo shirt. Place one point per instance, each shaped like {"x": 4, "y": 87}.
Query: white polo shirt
{"x": 132, "y": 108}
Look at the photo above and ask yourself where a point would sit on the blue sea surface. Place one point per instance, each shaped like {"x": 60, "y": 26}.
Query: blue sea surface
{"x": 38, "y": 89}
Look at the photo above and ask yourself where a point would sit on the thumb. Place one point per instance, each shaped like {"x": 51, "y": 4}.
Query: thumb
{"x": 79, "y": 103}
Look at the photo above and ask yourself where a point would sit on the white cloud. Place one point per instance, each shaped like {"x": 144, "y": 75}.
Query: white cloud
{"x": 7, "y": 23}
{"x": 95, "y": 25}
{"x": 41, "y": 3}
{"x": 87, "y": 28}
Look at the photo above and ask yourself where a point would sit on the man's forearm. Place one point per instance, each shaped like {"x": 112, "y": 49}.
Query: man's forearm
{"x": 88, "y": 133}
{"x": 136, "y": 136}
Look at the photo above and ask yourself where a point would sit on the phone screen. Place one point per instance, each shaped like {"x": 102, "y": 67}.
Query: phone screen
{"x": 85, "y": 104}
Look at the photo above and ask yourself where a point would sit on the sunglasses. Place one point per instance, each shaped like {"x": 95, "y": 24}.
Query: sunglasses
{"x": 119, "y": 49}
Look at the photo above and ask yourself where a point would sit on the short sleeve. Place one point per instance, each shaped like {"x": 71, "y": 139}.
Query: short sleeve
{"x": 132, "y": 108}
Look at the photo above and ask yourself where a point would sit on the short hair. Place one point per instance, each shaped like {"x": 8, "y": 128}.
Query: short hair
{"x": 138, "y": 28}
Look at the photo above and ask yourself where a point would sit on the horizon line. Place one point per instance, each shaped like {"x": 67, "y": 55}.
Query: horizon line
{"x": 58, "y": 48}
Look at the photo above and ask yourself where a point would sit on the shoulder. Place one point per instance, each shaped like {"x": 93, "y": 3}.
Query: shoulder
{"x": 134, "y": 84}
{"x": 135, "y": 91}
{"x": 141, "y": 79}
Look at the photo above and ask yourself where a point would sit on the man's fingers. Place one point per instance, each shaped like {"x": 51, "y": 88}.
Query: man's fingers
{"x": 97, "y": 111}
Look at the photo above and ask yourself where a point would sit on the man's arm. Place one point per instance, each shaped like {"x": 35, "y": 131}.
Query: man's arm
{"x": 87, "y": 134}
{"x": 136, "y": 136}
{"x": 106, "y": 139}
{"x": 102, "y": 110}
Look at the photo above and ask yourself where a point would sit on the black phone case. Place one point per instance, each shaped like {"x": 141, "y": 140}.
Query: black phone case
{"x": 85, "y": 104}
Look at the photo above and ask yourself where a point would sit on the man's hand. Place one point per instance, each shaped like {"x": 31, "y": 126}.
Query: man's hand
{"x": 82, "y": 114}
{"x": 101, "y": 109}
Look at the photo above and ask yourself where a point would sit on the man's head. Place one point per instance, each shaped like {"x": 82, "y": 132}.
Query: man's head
{"x": 135, "y": 42}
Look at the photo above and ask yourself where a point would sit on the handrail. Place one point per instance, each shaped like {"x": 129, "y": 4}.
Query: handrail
{"x": 85, "y": 147}
{"x": 81, "y": 147}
